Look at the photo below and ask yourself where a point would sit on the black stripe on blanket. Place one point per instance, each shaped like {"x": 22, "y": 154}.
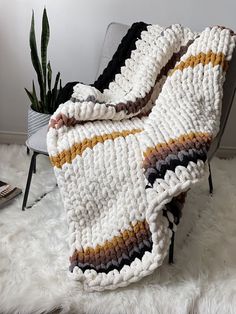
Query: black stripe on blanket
{"x": 122, "y": 53}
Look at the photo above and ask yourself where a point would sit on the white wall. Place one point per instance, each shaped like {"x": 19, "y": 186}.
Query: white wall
{"x": 77, "y": 30}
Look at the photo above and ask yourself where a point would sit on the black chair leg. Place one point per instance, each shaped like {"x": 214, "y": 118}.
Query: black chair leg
{"x": 171, "y": 249}
{"x": 31, "y": 168}
{"x": 28, "y": 152}
{"x": 210, "y": 179}
{"x": 35, "y": 166}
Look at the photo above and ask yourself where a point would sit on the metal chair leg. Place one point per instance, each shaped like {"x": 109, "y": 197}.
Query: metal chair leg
{"x": 171, "y": 249}
{"x": 31, "y": 168}
{"x": 28, "y": 152}
{"x": 210, "y": 180}
{"x": 35, "y": 166}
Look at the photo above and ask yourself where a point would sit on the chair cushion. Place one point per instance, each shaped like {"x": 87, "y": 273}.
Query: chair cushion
{"x": 38, "y": 141}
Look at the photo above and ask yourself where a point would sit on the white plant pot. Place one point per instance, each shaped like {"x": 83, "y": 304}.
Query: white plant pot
{"x": 36, "y": 120}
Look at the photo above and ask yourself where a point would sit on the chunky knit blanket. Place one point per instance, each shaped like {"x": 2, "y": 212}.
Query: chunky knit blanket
{"x": 141, "y": 140}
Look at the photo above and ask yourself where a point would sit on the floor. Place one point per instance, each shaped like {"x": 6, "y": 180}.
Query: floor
{"x": 34, "y": 251}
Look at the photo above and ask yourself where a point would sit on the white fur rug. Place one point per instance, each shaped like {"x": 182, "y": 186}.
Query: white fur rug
{"x": 34, "y": 252}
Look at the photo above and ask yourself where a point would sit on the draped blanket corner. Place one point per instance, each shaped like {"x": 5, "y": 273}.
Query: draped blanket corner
{"x": 140, "y": 142}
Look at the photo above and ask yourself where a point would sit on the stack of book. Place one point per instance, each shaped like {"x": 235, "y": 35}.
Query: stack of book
{"x": 7, "y": 193}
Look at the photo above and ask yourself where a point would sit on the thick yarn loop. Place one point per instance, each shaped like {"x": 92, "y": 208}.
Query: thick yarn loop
{"x": 141, "y": 141}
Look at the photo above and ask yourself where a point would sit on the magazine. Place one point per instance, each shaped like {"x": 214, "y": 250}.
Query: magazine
{"x": 7, "y": 192}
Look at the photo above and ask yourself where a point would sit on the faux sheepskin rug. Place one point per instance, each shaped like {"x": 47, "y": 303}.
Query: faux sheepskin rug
{"x": 34, "y": 251}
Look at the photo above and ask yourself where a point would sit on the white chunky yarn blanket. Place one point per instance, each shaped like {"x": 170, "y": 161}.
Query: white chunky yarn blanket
{"x": 123, "y": 170}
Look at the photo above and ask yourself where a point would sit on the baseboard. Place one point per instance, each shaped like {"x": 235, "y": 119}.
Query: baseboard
{"x": 226, "y": 152}
{"x": 7, "y": 137}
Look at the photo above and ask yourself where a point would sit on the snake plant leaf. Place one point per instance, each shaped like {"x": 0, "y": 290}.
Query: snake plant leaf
{"x": 49, "y": 76}
{"x": 37, "y": 103}
{"x": 49, "y": 101}
{"x": 55, "y": 91}
{"x": 35, "y": 58}
{"x": 44, "y": 45}
{"x": 31, "y": 98}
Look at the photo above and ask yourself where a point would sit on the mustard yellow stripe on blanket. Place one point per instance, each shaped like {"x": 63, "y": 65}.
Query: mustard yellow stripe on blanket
{"x": 174, "y": 145}
{"x": 203, "y": 58}
{"x": 66, "y": 156}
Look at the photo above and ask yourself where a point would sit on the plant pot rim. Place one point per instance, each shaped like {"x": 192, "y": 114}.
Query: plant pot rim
{"x": 30, "y": 108}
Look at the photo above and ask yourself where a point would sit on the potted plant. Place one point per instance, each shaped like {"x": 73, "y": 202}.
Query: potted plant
{"x": 43, "y": 107}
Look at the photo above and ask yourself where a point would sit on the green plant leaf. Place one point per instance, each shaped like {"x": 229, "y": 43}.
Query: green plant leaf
{"x": 35, "y": 59}
{"x": 55, "y": 91}
{"x": 38, "y": 105}
{"x": 49, "y": 101}
{"x": 49, "y": 76}
{"x": 31, "y": 98}
{"x": 44, "y": 45}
